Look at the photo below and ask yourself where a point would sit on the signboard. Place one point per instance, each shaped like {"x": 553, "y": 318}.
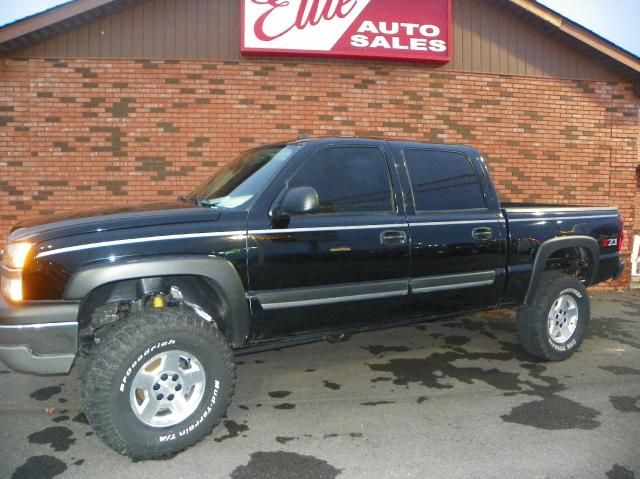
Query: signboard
{"x": 412, "y": 30}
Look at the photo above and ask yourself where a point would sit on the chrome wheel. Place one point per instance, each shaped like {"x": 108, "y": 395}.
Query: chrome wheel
{"x": 168, "y": 388}
{"x": 563, "y": 319}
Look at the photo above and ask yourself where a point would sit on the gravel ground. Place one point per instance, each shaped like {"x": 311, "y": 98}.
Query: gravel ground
{"x": 447, "y": 399}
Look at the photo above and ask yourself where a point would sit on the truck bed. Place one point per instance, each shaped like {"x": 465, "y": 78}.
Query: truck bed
{"x": 531, "y": 225}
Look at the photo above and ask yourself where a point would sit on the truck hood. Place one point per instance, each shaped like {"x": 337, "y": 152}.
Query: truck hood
{"x": 112, "y": 218}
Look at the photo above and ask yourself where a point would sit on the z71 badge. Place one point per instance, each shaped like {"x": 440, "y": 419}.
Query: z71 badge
{"x": 608, "y": 243}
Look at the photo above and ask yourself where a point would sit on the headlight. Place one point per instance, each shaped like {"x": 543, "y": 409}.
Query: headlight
{"x": 16, "y": 255}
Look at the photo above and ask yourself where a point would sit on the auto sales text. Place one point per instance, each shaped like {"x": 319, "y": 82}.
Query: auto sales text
{"x": 399, "y": 36}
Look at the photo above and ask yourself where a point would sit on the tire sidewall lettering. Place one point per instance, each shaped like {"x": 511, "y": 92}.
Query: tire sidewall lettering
{"x": 562, "y": 347}
{"x": 572, "y": 291}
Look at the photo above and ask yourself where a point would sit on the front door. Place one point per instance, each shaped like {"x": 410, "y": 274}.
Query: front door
{"x": 346, "y": 264}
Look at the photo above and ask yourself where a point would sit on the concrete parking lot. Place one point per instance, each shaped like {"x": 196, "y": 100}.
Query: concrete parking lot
{"x": 448, "y": 399}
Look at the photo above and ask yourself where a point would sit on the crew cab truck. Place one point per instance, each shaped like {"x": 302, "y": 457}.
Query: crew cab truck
{"x": 291, "y": 242}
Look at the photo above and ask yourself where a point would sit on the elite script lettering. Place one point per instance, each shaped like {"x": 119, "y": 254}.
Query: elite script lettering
{"x": 310, "y": 12}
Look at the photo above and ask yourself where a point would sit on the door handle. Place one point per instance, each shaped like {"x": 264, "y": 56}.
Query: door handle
{"x": 482, "y": 234}
{"x": 393, "y": 238}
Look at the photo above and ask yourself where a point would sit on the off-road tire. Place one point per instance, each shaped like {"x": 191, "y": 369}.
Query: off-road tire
{"x": 533, "y": 320}
{"x": 123, "y": 351}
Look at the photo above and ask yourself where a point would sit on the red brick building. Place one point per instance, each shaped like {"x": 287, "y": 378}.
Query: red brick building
{"x": 118, "y": 101}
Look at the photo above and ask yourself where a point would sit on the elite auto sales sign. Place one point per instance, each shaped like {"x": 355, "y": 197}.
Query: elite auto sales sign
{"x": 414, "y": 30}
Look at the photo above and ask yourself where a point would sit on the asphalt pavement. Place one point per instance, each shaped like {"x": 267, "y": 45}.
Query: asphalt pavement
{"x": 446, "y": 399}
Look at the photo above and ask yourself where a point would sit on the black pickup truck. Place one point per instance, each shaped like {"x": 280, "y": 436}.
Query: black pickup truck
{"x": 291, "y": 242}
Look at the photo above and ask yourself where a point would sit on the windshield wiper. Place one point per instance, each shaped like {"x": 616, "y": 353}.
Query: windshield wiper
{"x": 197, "y": 201}
{"x": 187, "y": 199}
{"x": 190, "y": 199}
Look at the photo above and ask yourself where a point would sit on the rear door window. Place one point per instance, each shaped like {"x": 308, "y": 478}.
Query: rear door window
{"x": 443, "y": 180}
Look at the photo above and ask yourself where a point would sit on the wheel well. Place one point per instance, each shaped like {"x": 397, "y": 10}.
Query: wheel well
{"x": 574, "y": 261}
{"x": 197, "y": 290}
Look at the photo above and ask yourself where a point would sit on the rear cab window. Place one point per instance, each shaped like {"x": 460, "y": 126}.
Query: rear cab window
{"x": 443, "y": 181}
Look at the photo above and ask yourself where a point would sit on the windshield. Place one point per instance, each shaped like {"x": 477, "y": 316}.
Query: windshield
{"x": 239, "y": 181}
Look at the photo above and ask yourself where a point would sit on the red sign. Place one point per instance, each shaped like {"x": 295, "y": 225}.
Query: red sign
{"x": 415, "y": 30}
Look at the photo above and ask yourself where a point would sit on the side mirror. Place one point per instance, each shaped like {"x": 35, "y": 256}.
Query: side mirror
{"x": 298, "y": 201}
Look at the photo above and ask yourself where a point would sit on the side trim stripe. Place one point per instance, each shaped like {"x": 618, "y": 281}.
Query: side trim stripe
{"x": 452, "y": 281}
{"x": 461, "y": 222}
{"x": 38, "y": 325}
{"x": 554, "y": 209}
{"x": 327, "y": 228}
{"x": 297, "y": 297}
{"x": 146, "y": 239}
{"x": 336, "y": 293}
{"x": 137, "y": 240}
{"x": 561, "y": 218}
{"x": 337, "y": 299}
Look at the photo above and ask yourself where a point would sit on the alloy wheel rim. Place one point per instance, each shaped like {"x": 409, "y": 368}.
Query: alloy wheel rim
{"x": 562, "y": 320}
{"x": 167, "y": 389}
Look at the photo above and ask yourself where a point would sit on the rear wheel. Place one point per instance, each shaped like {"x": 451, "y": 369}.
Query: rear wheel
{"x": 554, "y": 325}
{"x": 158, "y": 382}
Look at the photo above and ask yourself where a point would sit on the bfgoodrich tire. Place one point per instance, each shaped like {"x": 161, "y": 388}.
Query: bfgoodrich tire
{"x": 158, "y": 383}
{"x": 553, "y": 326}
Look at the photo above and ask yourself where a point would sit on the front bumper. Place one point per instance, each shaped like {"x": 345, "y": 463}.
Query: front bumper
{"x": 39, "y": 337}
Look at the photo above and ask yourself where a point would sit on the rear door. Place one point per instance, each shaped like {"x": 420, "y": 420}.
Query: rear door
{"x": 458, "y": 238}
{"x": 345, "y": 265}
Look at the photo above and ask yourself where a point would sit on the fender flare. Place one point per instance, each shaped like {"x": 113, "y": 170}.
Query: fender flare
{"x": 546, "y": 249}
{"x": 219, "y": 271}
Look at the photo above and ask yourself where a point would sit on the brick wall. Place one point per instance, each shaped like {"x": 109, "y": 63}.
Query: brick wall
{"x": 81, "y": 133}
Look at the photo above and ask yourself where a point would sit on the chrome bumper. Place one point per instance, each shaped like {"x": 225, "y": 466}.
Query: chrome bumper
{"x": 39, "y": 337}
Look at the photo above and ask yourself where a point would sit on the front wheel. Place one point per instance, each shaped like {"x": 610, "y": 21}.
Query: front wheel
{"x": 553, "y": 326}
{"x": 158, "y": 382}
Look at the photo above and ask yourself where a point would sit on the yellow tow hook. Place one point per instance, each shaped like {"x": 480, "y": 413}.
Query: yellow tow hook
{"x": 158, "y": 301}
